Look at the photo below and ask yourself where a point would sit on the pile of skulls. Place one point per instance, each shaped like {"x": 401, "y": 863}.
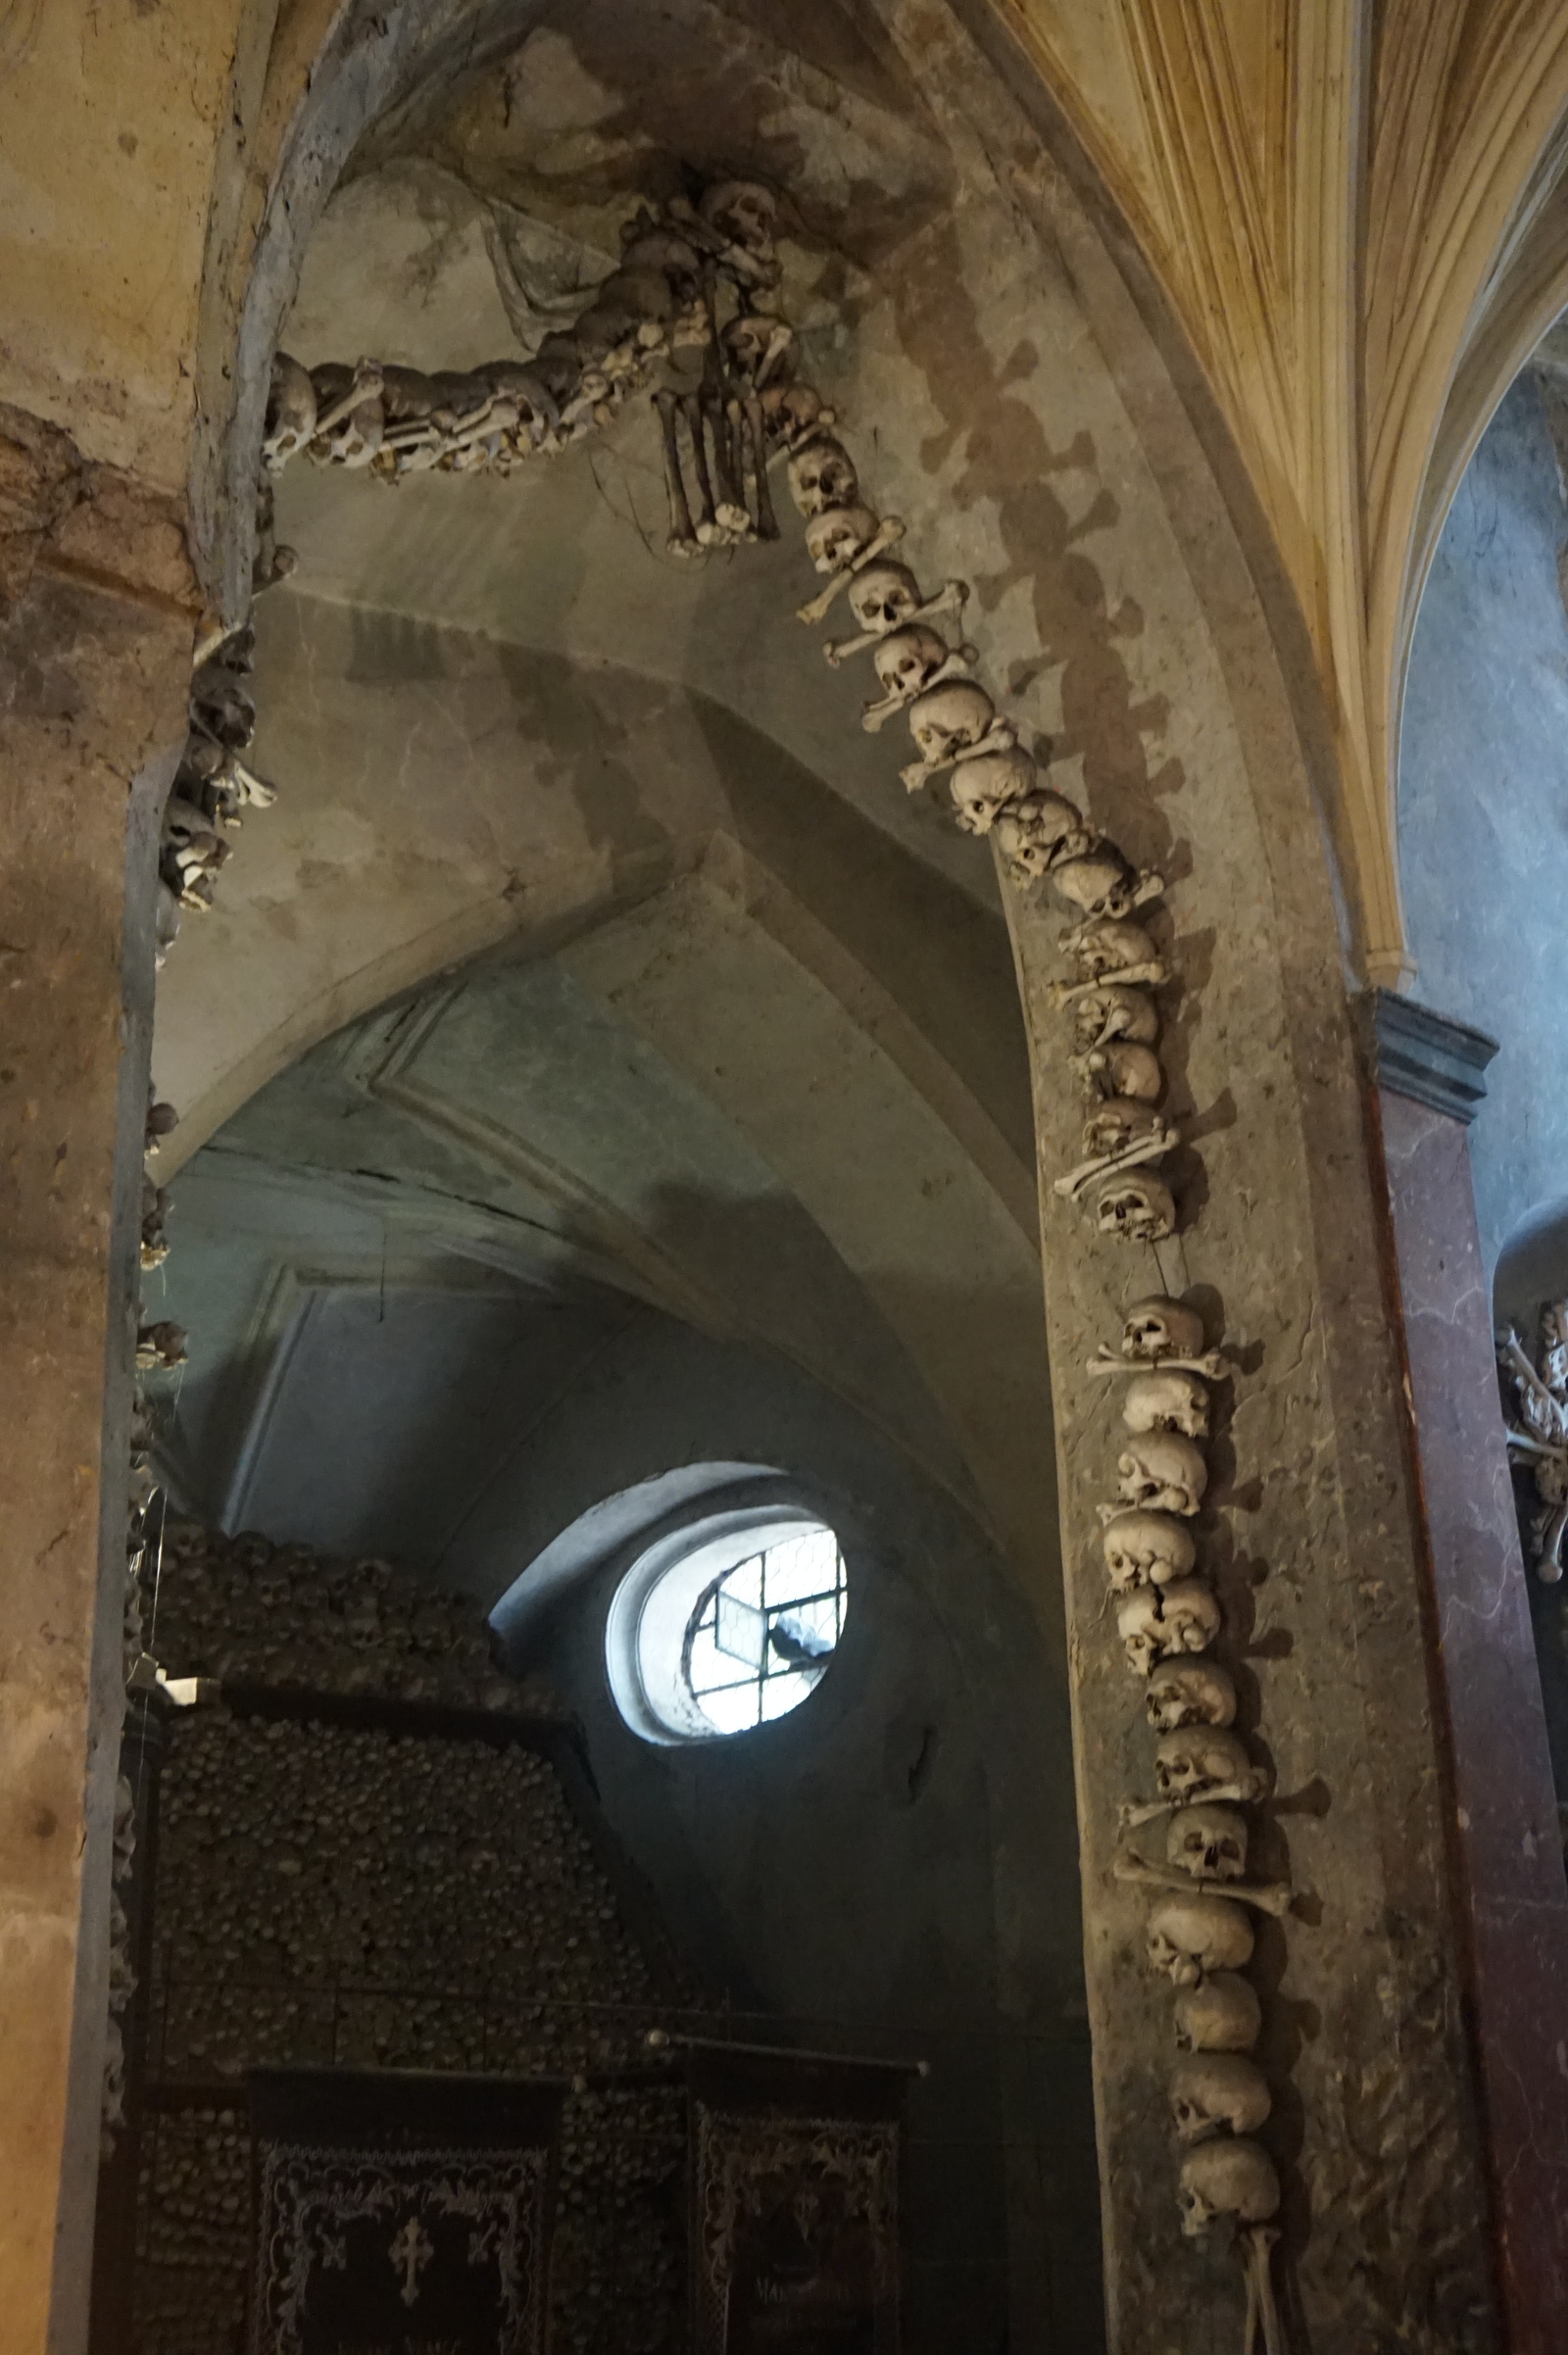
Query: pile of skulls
{"x": 1205, "y": 1778}
{"x": 342, "y": 1896}
{"x": 244, "y": 1609}
{"x": 193, "y": 2249}
{"x": 678, "y": 268}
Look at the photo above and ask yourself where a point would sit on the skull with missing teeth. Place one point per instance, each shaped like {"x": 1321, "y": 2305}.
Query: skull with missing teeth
{"x": 1210, "y": 1841}
{"x": 1190, "y": 1936}
{"x": 1215, "y": 2094}
{"x": 1158, "y": 1328}
{"x": 1196, "y": 1761}
{"x": 1190, "y": 1692}
{"x": 836, "y": 537}
{"x": 984, "y": 787}
{"x": 1163, "y": 1472}
{"x": 822, "y": 475}
{"x": 1136, "y": 1208}
{"x": 1156, "y": 1623}
{"x": 908, "y": 660}
{"x": 1230, "y": 2177}
{"x": 884, "y": 596}
{"x": 1147, "y": 1550}
{"x": 948, "y": 719}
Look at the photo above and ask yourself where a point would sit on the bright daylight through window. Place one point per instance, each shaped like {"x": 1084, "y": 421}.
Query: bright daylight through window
{"x": 725, "y": 1630}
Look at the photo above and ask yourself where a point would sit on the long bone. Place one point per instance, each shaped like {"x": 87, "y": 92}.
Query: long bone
{"x": 682, "y": 540}
{"x": 1272, "y": 1897}
{"x": 1241, "y": 1795}
{"x": 888, "y": 534}
{"x": 951, "y": 598}
{"x": 365, "y": 385}
{"x": 1211, "y": 1365}
{"x": 709, "y": 533}
{"x": 1151, "y": 975}
{"x": 729, "y": 505}
{"x": 756, "y": 439}
{"x": 1262, "y": 2311}
{"x": 1131, "y": 1156}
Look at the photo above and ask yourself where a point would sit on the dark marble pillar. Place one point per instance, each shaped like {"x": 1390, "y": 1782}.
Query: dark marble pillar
{"x": 1505, "y": 1851}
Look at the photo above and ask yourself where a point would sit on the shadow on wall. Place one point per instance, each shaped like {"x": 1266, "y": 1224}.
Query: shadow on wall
{"x": 1532, "y": 1274}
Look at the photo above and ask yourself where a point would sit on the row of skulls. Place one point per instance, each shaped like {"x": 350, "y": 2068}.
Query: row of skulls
{"x": 691, "y": 304}
{"x": 1200, "y": 1931}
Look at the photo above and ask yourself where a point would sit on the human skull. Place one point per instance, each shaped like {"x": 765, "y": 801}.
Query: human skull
{"x": 1230, "y": 2177}
{"x": 1158, "y": 1328}
{"x": 290, "y": 413}
{"x": 1190, "y": 1692}
{"x": 1192, "y": 1616}
{"x": 755, "y": 343}
{"x": 822, "y": 475}
{"x": 1222, "y": 2015}
{"x": 948, "y": 719}
{"x": 1163, "y": 1472}
{"x": 1118, "y": 1122}
{"x": 791, "y": 410}
{"x": 1136, "y": 1209}
{"x": 1217, "y": 2092}
{"x": 883, "y": 596}
{"x": 837, "y": 536}
{"x": 1209, "y": 1841}
{"x": 1113, "y": 948}
{"x": 1104, "y": 1015}
{"x": 743, "y": 211}
{"x": 1142, "y": 1630}
{"x": 1122, "y": 1070}
{"x": 1188, "y": 1938}
{"x": 1168, "y": 1401}
{"x": 982, "y": 788}
{"x": 1099, "y": 883}
{"x": 1147, "y": 1550}
{"x": 907, "y": 659}
{"x": 1196, "y": 1760}
{"x": 1037, "y": 829}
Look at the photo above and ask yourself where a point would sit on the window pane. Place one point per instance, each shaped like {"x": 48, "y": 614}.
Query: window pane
{"x": 740, "y": 1629}
{"x": 801, "y": 1566}
{"x": 782, "y": 1694}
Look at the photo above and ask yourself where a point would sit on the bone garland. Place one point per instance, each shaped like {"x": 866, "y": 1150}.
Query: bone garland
{"x": 212, "y": 786}
{"x": 1539, "y": 1435}
{"x": 1205, "y": 1772}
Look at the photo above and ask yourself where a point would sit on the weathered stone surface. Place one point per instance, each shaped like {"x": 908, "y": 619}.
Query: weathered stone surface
{"x": 91, "y": 717}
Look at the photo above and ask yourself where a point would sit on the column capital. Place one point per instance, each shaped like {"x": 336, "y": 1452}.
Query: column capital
{"x": 1414, "y": 1051}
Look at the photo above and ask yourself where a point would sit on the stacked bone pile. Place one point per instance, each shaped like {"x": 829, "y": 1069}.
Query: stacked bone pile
{"x": 193, "y": 2251}
{"x": 383, "y": 1900}
{"x": 681, "y": 305}
{"x": 1201, "y": 1927}
{"x": 254, "y": 1614}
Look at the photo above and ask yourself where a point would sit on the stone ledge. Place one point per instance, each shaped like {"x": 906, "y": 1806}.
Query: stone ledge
{"x": 1417, "y": 1052}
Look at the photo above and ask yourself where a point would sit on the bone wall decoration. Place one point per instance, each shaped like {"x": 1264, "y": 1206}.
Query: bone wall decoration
{"x": 1537, "y": 1432}
{"x": 689, "y": 320}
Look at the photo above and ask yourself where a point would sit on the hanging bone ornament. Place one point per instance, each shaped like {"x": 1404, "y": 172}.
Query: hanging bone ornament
{"x": 1168, "y": 1400}
{"x": 1221, "y": 2015}
{"x": 908, "y": 663}
{"x": 1189, "y": 1936}
{"x": 841, "y": 541}
{"x": 1123, "y": 1134}
{"x": 952, "y": 724}
{"x": 1139, "y": 1209}
{"x": 1120, "y": 952}
{"x": 1210, "y": 1841}
{"x": 1105, "y": 1013}
{"x": 1120, "y": 1071}
{"x": 161, "y": 1345}
{"x": 1147, "y": 1550}
{"x": 883, "y": 598}
{"x": 1197, "y": 1764}
{"x": 1216, "y": 2093}
{"x": 1102, "y": 884}
{"x": 290, "y": 413}
{"x": 984, "y": 786}
{"x": 154, "y": 1242}
{"x": 1190, "y": 1692}
{"x": 1163, "y": 1472}
{"x": 822, "y": 475}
